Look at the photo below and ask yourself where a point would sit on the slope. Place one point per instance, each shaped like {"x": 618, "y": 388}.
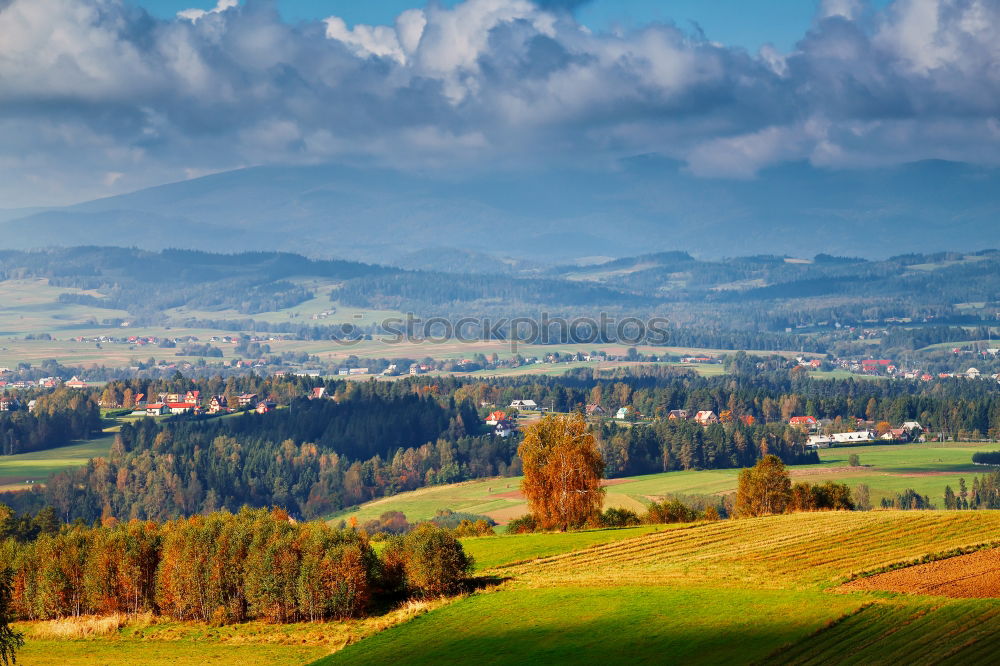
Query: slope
{"x": 727, "y": 592}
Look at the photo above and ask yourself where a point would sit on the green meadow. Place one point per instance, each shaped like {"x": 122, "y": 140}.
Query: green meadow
{"x": 886, "y": 469}
{"x": 747, "y": 591}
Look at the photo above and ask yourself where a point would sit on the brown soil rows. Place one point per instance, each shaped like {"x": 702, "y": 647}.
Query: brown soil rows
{"x": 976, "y": 575}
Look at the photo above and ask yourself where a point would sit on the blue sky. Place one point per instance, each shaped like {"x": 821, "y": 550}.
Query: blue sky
{"x": 746, "y": 23}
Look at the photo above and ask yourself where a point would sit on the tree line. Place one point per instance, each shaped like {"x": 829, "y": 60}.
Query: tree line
{"x": 223, "y": 568}
{"x": 57, "y": 419}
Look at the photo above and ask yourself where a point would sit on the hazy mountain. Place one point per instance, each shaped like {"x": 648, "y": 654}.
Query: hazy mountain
{"x": 644, "y": 205}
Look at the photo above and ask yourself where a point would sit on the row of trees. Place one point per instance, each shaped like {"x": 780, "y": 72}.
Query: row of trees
{"x": 221, "y": 568}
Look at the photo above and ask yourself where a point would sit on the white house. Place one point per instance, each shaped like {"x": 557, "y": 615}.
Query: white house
{"x": 912, "y": 425}
{"x": 819, "y": 442}
{"x": 857, "y": 436}
{"x": 623, "y": 412}
{"x": 523, "y": 404}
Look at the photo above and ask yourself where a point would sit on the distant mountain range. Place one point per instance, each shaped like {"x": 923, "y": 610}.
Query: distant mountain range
{"x": 495, "y": 221}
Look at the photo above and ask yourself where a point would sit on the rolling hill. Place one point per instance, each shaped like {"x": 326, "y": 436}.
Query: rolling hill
{"x": 727, "y": 592}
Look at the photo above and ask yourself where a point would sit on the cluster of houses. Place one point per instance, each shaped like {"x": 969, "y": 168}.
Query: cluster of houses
{"x": 190, "y": 403}
{"x": 907, "y": 432}
{"x": 884, "y": 367}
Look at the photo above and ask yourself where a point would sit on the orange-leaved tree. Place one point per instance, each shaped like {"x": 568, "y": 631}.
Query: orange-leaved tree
{"x": 562, "y": 471}
{"x": 763, "y": 489}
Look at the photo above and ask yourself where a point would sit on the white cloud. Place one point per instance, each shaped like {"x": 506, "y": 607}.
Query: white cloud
{"x": 96, "y": 87}
{"x": 195, "y": 14}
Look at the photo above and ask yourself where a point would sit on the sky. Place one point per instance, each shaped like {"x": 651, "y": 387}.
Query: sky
{"x": 778, "y": 22}
{"x": 99, "y": 97}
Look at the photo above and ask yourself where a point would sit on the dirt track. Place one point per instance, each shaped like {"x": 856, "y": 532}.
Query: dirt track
{"x": 975, "y": 576}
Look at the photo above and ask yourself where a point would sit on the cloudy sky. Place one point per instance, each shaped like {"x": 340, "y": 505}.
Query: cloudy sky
{"x": 99, "y": 97}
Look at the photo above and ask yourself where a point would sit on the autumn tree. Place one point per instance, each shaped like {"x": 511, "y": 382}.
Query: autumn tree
{"x": 562, "y": 472}
{"x": 10, "y": 640}
{"x": 763, "y": 489}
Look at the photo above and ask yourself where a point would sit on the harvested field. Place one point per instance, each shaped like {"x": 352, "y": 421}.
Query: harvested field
{"x": 518, "y": 495}
{"x": 972, "y": 576}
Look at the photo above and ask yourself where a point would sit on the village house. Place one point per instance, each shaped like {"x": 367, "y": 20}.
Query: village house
{"x": 523, "y": 404}
{"x": 624, "y": 412}
{"x": 804, "y": 422}
{"x": 218, "y": 404}
{"x": 157, "y": 409}
{"x": 856, "y": 436}
{"x": 594, "y": 410}
{"x": 677, "y": 415}
{"x": 317, "y": 393}
{"x": 504, "y": 429}
{"x": 265, "y": 406}
{"x": 819, "y": 442}
{"x": 910, "y": 426}
{"x": 706, "y": 417}
{"x": 496, "y": 417}
{"x": 182, "y": 407}
{"x": 9, "y": 404}
{"x": 247, "y": 400}
{"x": 76, "y": 383}
{"x": 896, "y": 435}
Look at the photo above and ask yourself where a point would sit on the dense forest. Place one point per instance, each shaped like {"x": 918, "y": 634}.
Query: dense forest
{"x": 57, "y": 419}
{"x": 378, "y": 438}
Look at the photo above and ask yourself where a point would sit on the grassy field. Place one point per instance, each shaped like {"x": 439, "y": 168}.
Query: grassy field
{"x": 17, "y": 470}
{"x": 886, "y": 469}
{"x": 760, "y": 590}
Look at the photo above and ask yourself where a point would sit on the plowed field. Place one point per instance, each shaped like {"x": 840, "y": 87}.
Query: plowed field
{"x": 973, "y": 576}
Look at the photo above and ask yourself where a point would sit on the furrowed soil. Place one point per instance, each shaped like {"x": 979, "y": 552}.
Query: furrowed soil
{"x": 972, "y": 576}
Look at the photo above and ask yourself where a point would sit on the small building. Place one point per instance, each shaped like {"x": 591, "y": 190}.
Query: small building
{"x": 819, "y": 442}
{"x": 317, "y": 393}
{"x": 624, "y": 412}
{"x": 157, "y": 409}
{"x": 218, "y": 404}
{"x": 504, "y": 429}
{"x": 523, "y": 404}
{"x": 677, "y": 415}
{"x": 594, "y": 410}
{"x": 496, "y": 417}
{"x": 182, "y": 407}
{"x": 854, "y": 437}
{"x": 706, "y": 417}
{"x": 910, "y": 426}
{"x": 76, "y": 383}
{"x": 265, "y": 406}
{"x": 247, "y": 400}
{"x": 804, "y": 422}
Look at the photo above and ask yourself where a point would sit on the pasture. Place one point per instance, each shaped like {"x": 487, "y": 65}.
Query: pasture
{"x": 887, "y": 469}
{"x": 20, "y": 471}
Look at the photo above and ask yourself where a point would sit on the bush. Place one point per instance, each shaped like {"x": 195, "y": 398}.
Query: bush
{"x": 522, "y": 525}
{"x": 434, "y": 561}
{"x": 467, "y": 528}
{"x": 670, "y": 511}
{"x": 453, "y": 519}
{"x": 986, "y": 458}
{"x": 615, "y": 517}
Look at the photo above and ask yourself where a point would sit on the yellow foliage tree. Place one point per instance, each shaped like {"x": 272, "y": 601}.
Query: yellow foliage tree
{"x": 763, "y": 489}
{"x": 562, "y": 471}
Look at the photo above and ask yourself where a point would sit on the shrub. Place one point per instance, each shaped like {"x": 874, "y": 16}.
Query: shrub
{"x": 670, "y": 511}
{"x": 616, "y": 517}
{"x": 522, "y": 525}
{"x": 434, "y": 561}
{"x": 986, "y": 458}
{"x": 467, "y": 528}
